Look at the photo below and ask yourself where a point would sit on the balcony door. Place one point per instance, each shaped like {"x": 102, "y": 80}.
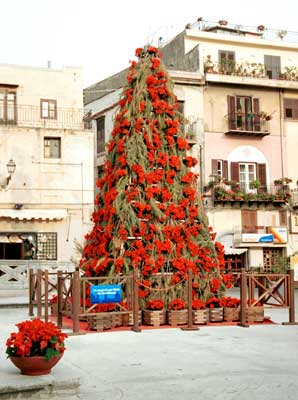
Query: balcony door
{"x": 7, "y": 107}
{"x": 247, "y": 174}
{"x": 244, "y": 113}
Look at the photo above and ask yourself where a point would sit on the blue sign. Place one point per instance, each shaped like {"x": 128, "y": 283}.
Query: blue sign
{"x": 103, "y": 294}
{"x": 266, "y": 238}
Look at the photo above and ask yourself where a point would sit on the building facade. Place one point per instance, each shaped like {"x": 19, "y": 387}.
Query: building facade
{"x": 241, "y": 106}
{"x": 46, "y": 164}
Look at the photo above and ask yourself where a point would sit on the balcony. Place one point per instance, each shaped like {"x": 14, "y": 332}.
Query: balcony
{"x": 31, "y": 117}
{"x": 242, "y": 197}
{"x": 248, "y": 124}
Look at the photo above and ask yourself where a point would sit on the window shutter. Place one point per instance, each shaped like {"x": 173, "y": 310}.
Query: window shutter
{"x": 232, "y": 112}
{"x": 261, "y": 168}
{"x": 225, "y": 174}
{"x": 249, "y": 221}
{"x": 235, "y": 171}
{"x": 283, "y": 217}
{"x": 214, "y": 167}
{"x": 256, "y": 110}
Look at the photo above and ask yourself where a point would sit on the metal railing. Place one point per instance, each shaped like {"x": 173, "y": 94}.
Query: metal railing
{"x": 31, "y": 117}
{"x": 248, "y": 122}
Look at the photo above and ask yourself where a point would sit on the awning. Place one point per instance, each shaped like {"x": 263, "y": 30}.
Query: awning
{"x": 33, "y": 213}
{"x": 232, "y": 251}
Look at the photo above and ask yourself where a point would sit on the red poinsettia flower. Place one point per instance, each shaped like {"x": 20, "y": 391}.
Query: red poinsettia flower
{"x": 177, "y": 304}
{"x": 154, "y": 305}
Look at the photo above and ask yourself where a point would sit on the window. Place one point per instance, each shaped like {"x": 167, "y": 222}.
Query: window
{"x": 46, "y": 246}
{"x": 220, "y": 168}
{"x": 272, "y": 66}
{"x": 8, "y": 110}
{"x": 273, "y": 260}
{"x": 226, "y": 61}
{"x": 242, "y": 113}
{"x": 246, "y": 172}
{"x": 291, "y": 108}
{"x": 52, "y": 147}
{"x": 48, "y": 109}
{"x": 100, "y": 134}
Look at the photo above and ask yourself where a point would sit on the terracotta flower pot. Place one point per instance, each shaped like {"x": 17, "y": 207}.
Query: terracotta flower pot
{"x": 36, "y": 365}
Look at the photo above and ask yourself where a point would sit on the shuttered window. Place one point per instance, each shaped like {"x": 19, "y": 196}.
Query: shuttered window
{"x": 291, "y": 108}
{"x": 247, "y": 172}
{"x": 220, "y": 168}
{"x": 243, "y": 113}
{"x": 249, "y": 221}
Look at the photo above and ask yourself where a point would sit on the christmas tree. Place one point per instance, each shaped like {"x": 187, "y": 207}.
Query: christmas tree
{"x": 149, "y": 214}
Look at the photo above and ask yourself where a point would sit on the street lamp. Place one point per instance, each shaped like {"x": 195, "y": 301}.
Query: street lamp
{"x": 11, "y": 166}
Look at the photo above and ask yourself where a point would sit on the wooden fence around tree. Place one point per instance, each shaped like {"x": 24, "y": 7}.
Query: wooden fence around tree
{"x": 71, "y": 292}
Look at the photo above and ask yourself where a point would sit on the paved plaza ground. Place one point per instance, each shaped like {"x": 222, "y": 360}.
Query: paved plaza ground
{"x": 214, "y": 363}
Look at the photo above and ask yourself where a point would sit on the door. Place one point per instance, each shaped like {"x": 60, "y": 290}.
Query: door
{"x": 272, "y": 66}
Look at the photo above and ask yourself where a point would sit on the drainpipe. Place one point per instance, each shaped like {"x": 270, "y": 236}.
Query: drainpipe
{"x": 281, "y": 127}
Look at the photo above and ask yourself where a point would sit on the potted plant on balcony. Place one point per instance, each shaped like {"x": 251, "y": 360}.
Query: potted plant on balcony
{"x": 208, "y": 65}
{"x": 154, "y": 313}
{"x": 36, "y": 347}
{"x": 177, "y": 312}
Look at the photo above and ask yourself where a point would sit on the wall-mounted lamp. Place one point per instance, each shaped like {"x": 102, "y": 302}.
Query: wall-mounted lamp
{"x": 11, "y": 166}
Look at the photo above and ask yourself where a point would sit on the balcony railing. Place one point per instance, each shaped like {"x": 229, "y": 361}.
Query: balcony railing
{"x": 252, "y": 70}
{"x": 31, "y": 117}
{"x": 243, "y": 193}
{"x": 247, "y": 124}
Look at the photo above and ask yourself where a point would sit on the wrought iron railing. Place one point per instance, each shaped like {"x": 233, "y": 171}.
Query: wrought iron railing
{"x": 31, "y": 116}
{"x": 248, "y": 122}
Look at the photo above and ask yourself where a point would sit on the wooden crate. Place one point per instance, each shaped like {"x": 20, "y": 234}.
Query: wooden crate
{"x": 99, "y": 322}
{"x": 177, "y": 317}
{"x": 155, "y": 318}
{"x": 255, "y": 314}
{"x": 127, "y": 318}
{"x": 216, "y": 314}
{"x": 200, "y": 317}
{"x": 116, "y": 320}
{"x": 231, "y": 314}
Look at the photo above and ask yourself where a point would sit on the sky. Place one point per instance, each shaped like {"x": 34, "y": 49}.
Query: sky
{"x": 101, "y": 35}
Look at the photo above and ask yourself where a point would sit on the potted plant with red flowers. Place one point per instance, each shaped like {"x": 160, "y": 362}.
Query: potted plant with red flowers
{"x": 231, "y": 306}
{"x": 154, "y": 313}
{"x": 177, "y": 312}
{"x": 36, "y": 347}
{"x": 199, "y": 312}
{"x": 215, "y": 309}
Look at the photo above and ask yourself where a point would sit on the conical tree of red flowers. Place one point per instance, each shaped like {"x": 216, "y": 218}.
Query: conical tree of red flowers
{"x": 149, "y": 215}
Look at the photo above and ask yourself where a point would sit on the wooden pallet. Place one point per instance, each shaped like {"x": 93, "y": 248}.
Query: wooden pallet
{"x": 255, "y": 314}
{"x": 216, "y": 314}
{"x": 155, "y": 318}
{"x": 177, "y": 317}
{"x": 231, "y": 314}
{"x": 200, "y": 317}
{"x": 99, "y": 322}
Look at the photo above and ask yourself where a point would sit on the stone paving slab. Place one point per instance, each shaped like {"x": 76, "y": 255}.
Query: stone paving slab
{"x": 63, "y": 380}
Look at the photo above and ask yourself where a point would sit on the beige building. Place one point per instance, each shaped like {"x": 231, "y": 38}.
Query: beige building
{"x": 46, "y": 169}
{"x": 238, "y": 89}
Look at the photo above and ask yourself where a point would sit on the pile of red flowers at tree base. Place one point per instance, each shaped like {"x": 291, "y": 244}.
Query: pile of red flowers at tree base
{"x": 36, "y": 338}
{"x": 155, "y": 304}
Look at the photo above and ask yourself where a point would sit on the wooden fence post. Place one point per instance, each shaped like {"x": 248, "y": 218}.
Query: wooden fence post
{"x": 190, "y": 326}
{"x": 243, "y": 299}
{"x": 75, "y": 301}
{"x": 135, "y": 303}
{"x": 291, "y": 300}
{"x": 59, "y": 299}
{"x": 31, "y": 291}
{"x": 39, "y": 292}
